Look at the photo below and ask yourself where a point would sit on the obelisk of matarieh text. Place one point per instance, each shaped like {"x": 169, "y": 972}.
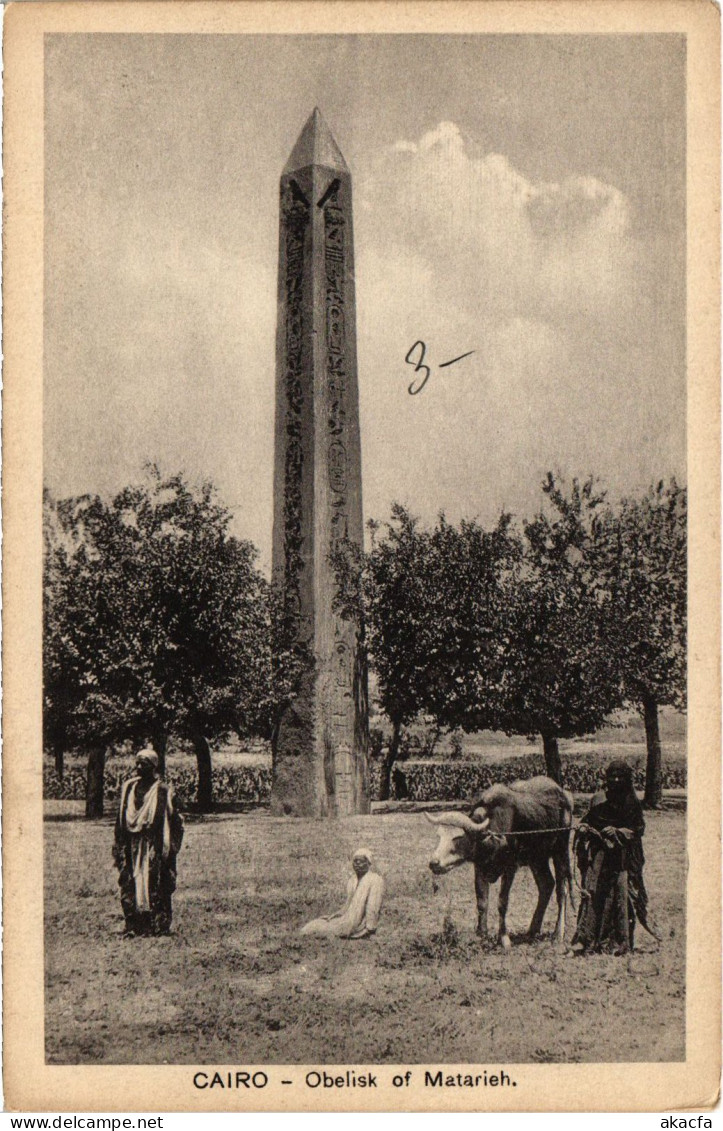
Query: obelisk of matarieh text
{"x": 321, "y": 743}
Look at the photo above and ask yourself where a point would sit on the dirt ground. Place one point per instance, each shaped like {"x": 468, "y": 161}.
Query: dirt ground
{"x": 236, "y": 984}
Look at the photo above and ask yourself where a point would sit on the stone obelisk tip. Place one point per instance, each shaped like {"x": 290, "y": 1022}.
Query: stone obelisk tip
{"x": 315, "y": 146}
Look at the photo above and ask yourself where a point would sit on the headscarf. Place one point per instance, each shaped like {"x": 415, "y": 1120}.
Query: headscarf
{"x": 362, "y": 854}
{"x": 620, "y": 789}
{"x": 619, "y": 767}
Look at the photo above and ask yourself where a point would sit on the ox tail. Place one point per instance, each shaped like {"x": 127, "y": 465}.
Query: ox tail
{"x": 568, "y": 867}
{"x": 570, "y": 892}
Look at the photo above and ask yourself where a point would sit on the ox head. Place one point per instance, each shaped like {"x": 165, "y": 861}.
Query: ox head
{"x": 460, "y": 837}
{"x": 465, "y": 838}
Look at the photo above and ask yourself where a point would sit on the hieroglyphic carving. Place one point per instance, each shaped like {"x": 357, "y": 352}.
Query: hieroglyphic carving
{"x": 344, "y": 780}
{"x": 342, "y": 667}
{"x": 295, "y": 212}
{"x": 337, "y": 409}
{"x": 334, "y": 247}
{"x": 339, "y": 719}
{"x": 337, "y": 468}
{"x": 339, "y": 529}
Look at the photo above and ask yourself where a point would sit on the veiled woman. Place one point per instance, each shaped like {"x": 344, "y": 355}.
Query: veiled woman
{"x": 609, "y": 854}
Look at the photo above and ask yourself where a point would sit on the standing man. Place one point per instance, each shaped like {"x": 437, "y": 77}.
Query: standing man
{"x": 148, "y": 835}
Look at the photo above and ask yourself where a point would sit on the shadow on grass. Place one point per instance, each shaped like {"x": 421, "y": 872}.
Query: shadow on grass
{"x": 190, "y": 812}
{"x": 66, "y": 818}
{"x": 220, "y": 807}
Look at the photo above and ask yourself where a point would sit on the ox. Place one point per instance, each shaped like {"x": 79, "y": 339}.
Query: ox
{"x": 486, "y": 837}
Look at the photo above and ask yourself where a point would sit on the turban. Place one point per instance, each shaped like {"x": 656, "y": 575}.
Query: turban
{"x": 148, "y": 755}
{"x": 362, "y": 853}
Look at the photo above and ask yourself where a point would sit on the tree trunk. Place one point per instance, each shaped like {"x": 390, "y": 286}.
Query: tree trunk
{"x": 388, "y": 760}
{"x": 435, "y": 739}
{"x": 159, "y": 738}
{"x": 204, "y": 793}
{"x": 553, "y": 765}
{"x": 94, "y": 782}
{"x": 59, "y": 758}
{"x": 654, "y": 766}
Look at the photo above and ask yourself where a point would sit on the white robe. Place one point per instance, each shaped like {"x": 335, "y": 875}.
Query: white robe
{"x": 358, "y": 916}
{"x": 138, "y": 821}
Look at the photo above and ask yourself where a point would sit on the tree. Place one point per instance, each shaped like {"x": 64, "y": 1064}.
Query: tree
{"x": 78, "y": 711}
{"x": 469, "y": 574}
{"x": 643, "y": 555}
{"x": 562, "y": 676}
{"x": 60, "y": 681}
{"x": 433, "y": 603}
{"x": 384, "y": 591}
{"x": 157, "y": 622}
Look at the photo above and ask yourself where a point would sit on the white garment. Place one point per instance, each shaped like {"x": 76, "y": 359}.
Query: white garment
{"x": 138, "y": 821}
{"x": 360, "y": 915}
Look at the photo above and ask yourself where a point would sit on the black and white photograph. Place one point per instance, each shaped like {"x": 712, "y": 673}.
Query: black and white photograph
{"x": 363, "y": 697}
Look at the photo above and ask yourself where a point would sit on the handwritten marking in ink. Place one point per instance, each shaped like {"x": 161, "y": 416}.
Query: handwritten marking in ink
{"x": 421, "y": 367}
{"x": 454, "y": 359}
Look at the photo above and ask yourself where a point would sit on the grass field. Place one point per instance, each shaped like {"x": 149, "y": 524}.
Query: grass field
{"x": 236, "y": 984}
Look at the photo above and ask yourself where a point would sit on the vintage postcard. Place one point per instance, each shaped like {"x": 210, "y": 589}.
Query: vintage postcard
{"x": 361, "y": 556}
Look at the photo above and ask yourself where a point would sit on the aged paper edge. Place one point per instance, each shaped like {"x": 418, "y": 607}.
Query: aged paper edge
{"x": 30, "y": 1084}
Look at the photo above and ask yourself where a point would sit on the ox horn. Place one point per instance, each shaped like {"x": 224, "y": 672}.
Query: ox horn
{"x": 457, "y": 819}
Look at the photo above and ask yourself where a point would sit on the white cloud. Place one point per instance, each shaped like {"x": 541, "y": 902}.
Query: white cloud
{"x": 547, "y": 283}
{"x": 516, "y": 248}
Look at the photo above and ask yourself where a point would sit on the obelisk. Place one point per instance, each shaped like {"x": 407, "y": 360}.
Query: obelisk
{"x": 320, "y": 748}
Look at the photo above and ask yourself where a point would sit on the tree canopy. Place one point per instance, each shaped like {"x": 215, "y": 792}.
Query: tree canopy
{"x": 543, "y": 629}
{"x": 156, "y": 620}
{"x": 562, "y": 675}
{"x": 433, "y": 602}
{"x": 642, "y": 562}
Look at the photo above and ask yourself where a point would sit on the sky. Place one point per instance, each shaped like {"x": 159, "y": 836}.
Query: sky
{"x": 522, "y": 197}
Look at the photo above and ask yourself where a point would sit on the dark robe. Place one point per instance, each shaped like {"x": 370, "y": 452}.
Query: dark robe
{"x": 613, "y": 889}
{"x": 154, "y": 846}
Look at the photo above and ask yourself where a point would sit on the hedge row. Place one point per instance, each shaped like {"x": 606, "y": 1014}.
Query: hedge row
{"x": 250, "y": 785}
{"x": 452, "y": 781}
{"x": 416, "y": 781}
